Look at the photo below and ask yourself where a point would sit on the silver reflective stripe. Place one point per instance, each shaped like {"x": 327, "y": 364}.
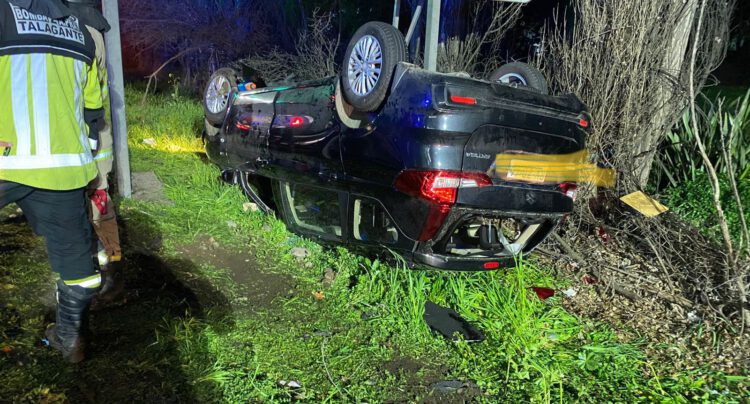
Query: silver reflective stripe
{"x": 51, "y": 161}
{"x": 91, "y": 282}
{"x": 20, "y": 92}
{"x": 39, "y": 83}
{"x": 104, "y": 154}
{"x": 80, "y": 83}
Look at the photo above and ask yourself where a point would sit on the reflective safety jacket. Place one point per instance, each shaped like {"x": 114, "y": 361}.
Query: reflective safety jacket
{"x": 48, "y": 87}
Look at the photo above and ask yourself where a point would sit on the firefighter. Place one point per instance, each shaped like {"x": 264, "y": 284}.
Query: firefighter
{"x": 103, "y": 216}
{"x": 50, "y": 105}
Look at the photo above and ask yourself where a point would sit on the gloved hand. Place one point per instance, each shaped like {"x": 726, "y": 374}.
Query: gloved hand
{"x": 6, "y": 146}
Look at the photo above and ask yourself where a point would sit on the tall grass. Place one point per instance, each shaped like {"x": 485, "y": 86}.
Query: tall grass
{"x": 535, "y": 351}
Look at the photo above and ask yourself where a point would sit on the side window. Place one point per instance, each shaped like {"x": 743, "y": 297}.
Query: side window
{"x": 372, "y": 223}
{"x": 313, "y": 209}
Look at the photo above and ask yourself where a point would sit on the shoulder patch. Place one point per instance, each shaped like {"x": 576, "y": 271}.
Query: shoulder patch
{"x": 36, "y": 24}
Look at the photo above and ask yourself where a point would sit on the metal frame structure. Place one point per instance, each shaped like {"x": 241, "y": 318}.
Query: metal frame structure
{"x": 432, "y": 35}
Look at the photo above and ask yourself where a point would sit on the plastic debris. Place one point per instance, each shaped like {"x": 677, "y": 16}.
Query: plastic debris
{"x": 644, "y": 204}
{"x": 448, "y": 386}
{"x": 448, "y": 323}
{"x": 571, "y": 292}
{"x": 543, "y": 293}
{"x": 292, "y": 384}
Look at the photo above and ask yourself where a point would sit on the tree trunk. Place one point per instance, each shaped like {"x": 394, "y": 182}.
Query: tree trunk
{"x": 673, "y": 85}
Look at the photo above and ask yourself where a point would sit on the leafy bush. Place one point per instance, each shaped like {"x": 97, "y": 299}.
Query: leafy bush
{"x": 724, "y": 125}
{"x": 693, "y": 200}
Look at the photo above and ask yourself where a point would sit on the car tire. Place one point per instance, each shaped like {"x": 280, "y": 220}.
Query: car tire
{"x": 522, "y": 75}
{"x": 217, "y": 96}
{"x": 365, "y": 85}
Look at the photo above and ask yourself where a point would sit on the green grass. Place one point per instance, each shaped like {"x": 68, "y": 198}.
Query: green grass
{"x": 197, "y": 330}
{"x": 693, "y": 201}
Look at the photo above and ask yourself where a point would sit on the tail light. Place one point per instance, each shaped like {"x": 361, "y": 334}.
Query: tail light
{"x": 584, "y": 121}
{"x": 463, "y": 100}
{"x": 569, "y": 189}
{"x": 440, "y": 188}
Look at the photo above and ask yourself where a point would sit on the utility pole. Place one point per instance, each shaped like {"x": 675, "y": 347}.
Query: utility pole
{"x": 117, "y": 97}
{"x": 432, "y": 37}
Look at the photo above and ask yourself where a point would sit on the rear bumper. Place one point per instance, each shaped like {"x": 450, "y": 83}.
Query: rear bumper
{"x": 450, "y": 249}
{"x": 452, "y": 263}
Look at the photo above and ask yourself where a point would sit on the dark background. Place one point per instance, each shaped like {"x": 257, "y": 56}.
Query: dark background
{"x": 286, "y": 18}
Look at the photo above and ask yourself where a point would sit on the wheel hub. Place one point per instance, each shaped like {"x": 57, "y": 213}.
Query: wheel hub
{"x": 513, "y": 79}
{"x": 365, "y": 65}
{"x": 217, "y": 95}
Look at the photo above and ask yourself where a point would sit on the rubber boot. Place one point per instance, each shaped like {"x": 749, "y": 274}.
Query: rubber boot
{"x": 112, "y": 285}
{"x": 67, "y": 333}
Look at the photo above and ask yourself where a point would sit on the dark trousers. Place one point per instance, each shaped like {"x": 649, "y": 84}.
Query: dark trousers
{"x": 61, "y": 217}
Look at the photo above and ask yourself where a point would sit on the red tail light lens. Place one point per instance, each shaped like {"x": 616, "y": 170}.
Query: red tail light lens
{"x": 439, "y": 186}
{"x": 463, "y": 100}
{"x": 569, "y": 189}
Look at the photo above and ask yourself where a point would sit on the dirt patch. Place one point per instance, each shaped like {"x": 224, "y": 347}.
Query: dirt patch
{"x": 148, "y": 188}
{"x": 259, "y": 289}
{"x": 429, "y": 383}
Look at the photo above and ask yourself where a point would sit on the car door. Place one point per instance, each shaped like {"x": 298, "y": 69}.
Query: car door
{"x": 303, "y": 143}
{"x": 247, "y": 129}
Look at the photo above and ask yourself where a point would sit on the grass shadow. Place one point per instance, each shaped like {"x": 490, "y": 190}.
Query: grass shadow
{"x": 147, "y": 346}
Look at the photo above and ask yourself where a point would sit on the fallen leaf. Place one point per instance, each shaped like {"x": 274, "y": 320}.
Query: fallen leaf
{"x": 6, "y": 349}
{"x": 319, "y": 296}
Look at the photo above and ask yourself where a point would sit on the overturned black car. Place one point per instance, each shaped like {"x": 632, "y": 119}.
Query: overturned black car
{"x": 388, "y": 155}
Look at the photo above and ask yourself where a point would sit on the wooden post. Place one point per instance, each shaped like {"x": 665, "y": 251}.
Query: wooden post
{"x": 117, "y": 98}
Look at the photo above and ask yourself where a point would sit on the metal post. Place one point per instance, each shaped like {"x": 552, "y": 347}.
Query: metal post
{"x": 396, "y": 13}
{"x": 432, "y": 36}
{"x": 413, "y": 25}
{"x": 117, "y": 97}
